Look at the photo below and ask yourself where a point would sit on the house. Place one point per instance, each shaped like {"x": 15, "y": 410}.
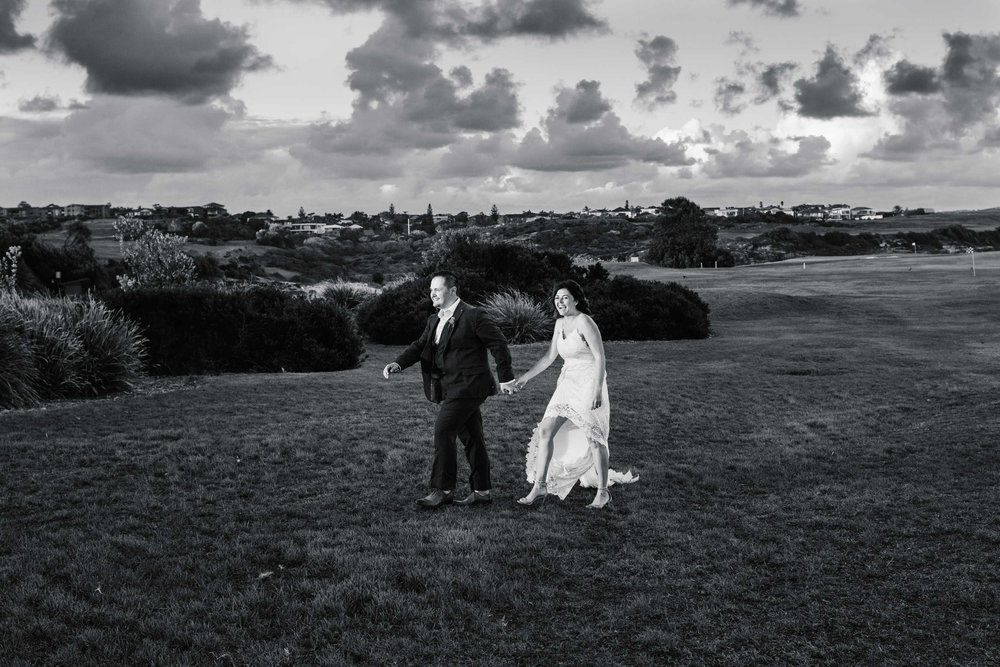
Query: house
{"x": 721, "y": 211}
{"x": 838, "y": 212}
{"x": 87, "y": 210}
{"x": 214, "y": 210}
{"x": 864, "y": 213}
{"x": 814, "y": 211}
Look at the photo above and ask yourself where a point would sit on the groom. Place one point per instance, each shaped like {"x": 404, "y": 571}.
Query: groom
{"x": 452, "y": 355}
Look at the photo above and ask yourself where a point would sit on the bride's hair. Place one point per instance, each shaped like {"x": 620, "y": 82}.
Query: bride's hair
{"x": 574, "y": 288}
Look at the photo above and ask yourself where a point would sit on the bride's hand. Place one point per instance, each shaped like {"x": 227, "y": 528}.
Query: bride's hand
{"x": 598, "y": 401}
{"x": 520, "y": 382}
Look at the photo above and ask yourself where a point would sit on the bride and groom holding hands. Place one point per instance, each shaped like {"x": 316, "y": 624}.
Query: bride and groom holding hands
{"x": 569, "y": 444}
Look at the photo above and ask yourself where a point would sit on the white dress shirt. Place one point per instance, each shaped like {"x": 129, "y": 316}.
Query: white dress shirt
{"x": 444, "y": 315}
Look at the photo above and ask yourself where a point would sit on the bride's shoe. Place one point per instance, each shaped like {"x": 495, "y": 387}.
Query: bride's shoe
{"x": 601, "y": 500}
{"x": 536, "y": 497}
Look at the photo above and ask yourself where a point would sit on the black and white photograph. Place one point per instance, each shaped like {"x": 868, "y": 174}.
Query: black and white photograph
{"x": 499, "y": 332}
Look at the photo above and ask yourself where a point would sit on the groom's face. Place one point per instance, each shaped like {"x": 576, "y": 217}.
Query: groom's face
{"x": 442, "y": 296}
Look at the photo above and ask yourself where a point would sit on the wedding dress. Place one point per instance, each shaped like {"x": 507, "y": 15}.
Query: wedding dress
{"x": 572, "y": 460}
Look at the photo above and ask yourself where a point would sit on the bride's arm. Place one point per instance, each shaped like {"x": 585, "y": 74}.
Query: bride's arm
{"x": 545, "y": 361}
{"x": 593, "y": 337}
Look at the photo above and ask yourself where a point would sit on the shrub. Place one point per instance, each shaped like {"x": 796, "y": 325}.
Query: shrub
{"x": 208, "y": 329}
{"x": 73, "y": 348}
{"x": 349, "y": 295}
{"x": 18, "y": 374}
{"x": 519, "y": 317}
{"x": 629, "y": 309}
{"x": 398, "y": 314}
{"x": 507, "y": 264}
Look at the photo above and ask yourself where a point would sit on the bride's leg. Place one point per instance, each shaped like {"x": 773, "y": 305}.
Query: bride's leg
{"x": 600, "y": 453}
{"x": 547, "y": 430}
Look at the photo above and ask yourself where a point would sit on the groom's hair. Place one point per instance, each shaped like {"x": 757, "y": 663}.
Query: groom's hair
{"x": 450, "y": 279}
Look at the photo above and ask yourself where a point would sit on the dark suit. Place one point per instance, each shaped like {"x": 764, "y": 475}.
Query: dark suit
{"x": 457, "y": 375}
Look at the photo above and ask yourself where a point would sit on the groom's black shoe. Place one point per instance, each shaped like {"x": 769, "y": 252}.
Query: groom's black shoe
{"x": 436, "y": 499}
{"x": 475, "y": 498}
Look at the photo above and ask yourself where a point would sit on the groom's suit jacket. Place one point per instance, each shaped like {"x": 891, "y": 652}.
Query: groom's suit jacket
{"x": 459, "y": 360}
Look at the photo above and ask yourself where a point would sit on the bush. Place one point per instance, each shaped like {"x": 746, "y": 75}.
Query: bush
{"x": 18, "y": 373}
{"x": 349, "y": 295}
{"x": 519, "y": 317}
{"x": 60, "y": 348}
{"x": 398, "y": 314}
{"x": 629, "y": 309}
{"x": 207, "y": 329}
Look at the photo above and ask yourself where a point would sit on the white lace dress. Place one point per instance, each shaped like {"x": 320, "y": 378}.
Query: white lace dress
{"x": 572, "y": 460}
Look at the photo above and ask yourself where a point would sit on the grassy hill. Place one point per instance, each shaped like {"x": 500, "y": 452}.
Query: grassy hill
{"x": 818, "y": 486}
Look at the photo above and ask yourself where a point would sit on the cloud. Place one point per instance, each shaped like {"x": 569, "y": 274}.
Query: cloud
{"x": 744, "y": 41}
{"x": 10, "y": 39}
{"x": 603, "y": 143}
{"x": 140, "y": 47}
{"x": 146, "y": 135}
{"x": 39, "y": 104}
{"x": 876, "y": 48}
{"x": 770, "y": 80}
{"x": 833, "y": 92}
{"x": 657, "y": 55}
{"x": 781, "y": 8}
{"x": 737, "y": 155}
{"x": 970, "y": 78}
{"x": 405, "y": 103}
{"x": 477, "y": 157}
{"x": 905, "y": 78}
{"x": 728, "y": 95}
{"x": 583, "y": 104}
{"x": 946, "y": 111}
{"x": 445, "y": 20}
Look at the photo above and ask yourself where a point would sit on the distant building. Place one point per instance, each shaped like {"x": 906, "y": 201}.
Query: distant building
{"x": 87, "y": 210}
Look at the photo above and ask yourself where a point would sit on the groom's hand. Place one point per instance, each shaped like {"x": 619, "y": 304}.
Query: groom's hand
{"x": 390, "y": 368}
{"x": 508, "y": 387}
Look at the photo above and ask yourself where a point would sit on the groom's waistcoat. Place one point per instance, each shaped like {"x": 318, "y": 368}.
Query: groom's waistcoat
{"x": 459, "y": 360}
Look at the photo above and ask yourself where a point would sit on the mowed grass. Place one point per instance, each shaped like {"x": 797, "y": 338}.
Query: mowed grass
{"x": 820, "y": 484}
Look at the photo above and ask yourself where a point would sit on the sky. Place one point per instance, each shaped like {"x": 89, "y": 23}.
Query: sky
{"x": 344, "y": 105}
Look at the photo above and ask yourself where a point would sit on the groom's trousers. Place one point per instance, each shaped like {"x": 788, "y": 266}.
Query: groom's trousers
{"x": 460, "y": 418}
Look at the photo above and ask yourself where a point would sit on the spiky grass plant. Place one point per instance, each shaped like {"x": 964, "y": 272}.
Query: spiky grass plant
{"x": 519, "y": 317}
{"x": 61, "y": 348}
{"x": 18, "y": 374}
{"x": 350, "y": 295}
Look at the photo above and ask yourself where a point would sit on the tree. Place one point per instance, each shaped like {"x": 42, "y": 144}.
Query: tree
{"x": 78, "y": 234}
{"x": 302, "y": 212}
{"x": 897, "y": 210}
{"x": 683, "y": 237}
{"x": 392, "y": 212}
{"x": 494, "y": 213}
{"x": 154, "y": 259}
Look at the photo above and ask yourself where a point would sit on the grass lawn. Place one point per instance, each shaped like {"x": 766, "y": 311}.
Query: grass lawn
{"x": 820, "y": 484}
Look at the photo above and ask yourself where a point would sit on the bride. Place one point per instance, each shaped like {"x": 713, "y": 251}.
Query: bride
{"x": 570, "y": 444}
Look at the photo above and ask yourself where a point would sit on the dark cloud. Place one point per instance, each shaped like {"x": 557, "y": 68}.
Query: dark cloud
{"x": 877, "y": 48}
{"x": 742, "y": 157}
{"x": 137, "y": 47}
{"x": 729, "y": 95}
{"x": 145, "y": 136}
{"x": 405, "y": 103}
{"x": 477, "y": 157}
{"x": 970, "y": 77}
{"x": 904, "y": 78}
{"x": 833, "y": 92}
{"x": 489, "y": 20}
{"x": 658, "y": 56}
{"x": 583, "y": 104}
{"x": 603, "y": 143}
{"x": 536, "y": 18}
{"x": 782, "y": 8}
{"x": 40, "y": 104}
{"x": 926, "y": 130}
{"x": 770, "y": 80}
{"x": 10, "y": 39}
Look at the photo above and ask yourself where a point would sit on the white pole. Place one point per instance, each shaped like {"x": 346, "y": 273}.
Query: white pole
{"x": 973, "y": 263}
